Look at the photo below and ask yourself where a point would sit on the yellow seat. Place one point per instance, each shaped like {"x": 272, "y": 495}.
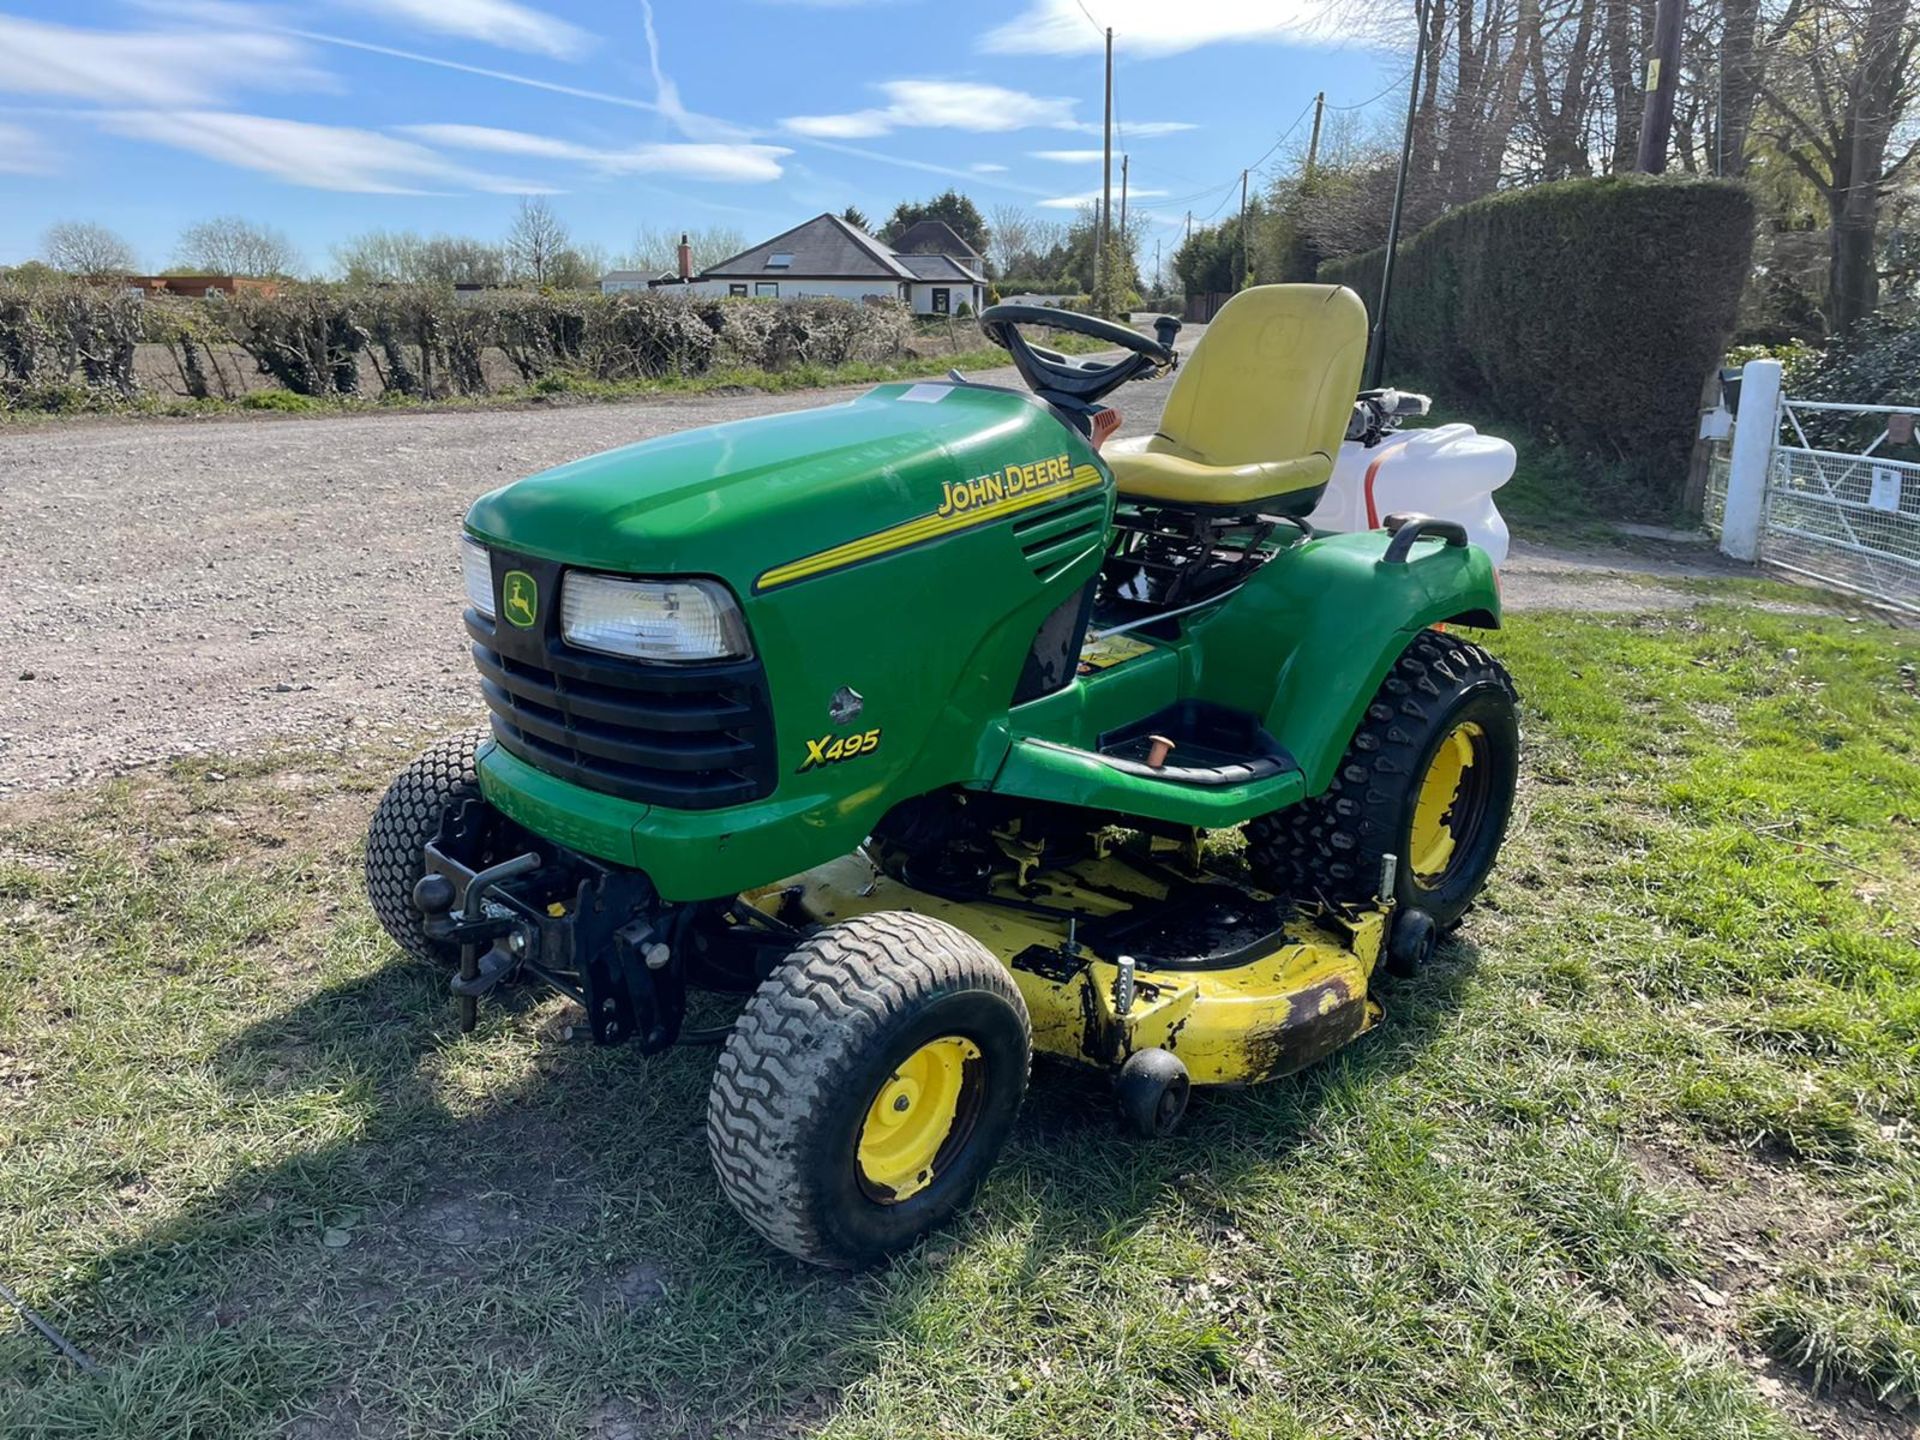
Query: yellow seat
{"x": 1259, "y": 408}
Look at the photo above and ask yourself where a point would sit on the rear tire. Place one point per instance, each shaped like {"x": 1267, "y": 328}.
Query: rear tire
{"x": 868, "y": 1087}
{"x": 407, "y": 817}
{"x": 1446, "y": 712}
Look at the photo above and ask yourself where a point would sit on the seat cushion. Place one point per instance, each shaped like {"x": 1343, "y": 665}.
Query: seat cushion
{"x": 1165, "y": 473}
{"x": 1259, "y": 408}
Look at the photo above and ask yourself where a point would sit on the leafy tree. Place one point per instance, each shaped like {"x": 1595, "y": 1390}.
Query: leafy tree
{"x": 234, "y": 245}
{"x": 30, "y": 275}
{"x": 81, "y": 247}
{"x": 960, "y": 213}
{"x": 1208, "y": 261}
{"x": 857, "y": 218}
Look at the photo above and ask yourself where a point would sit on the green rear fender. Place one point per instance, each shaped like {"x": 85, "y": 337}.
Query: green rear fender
{"x": 1308, "y": 641}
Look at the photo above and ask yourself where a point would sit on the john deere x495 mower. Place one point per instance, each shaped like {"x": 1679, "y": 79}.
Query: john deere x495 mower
{"x": 909, "y": 718}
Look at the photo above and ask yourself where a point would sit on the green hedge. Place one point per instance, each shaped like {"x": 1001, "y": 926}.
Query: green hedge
{"x": 1589, "y": 311}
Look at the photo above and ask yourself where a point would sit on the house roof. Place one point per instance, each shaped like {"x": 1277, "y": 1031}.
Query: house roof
{"x": 933, "y": 237}
{"x": 824, "y": 248}
{"x": 940, "y": 267}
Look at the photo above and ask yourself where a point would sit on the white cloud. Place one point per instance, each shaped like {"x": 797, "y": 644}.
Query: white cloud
{"x": 1068, "y": 157}
{"x": 1092, "y": 197}
{"x": 143, "y": 67}
{"x": 987, "y": 167}
{"x": 735, "y": 162}
{"x": 1152, "y": 27}
{"x": 667, "y": 94}
{"x": 22, "y": 152}
{"x": 497, "y": 22}
{"x": 938, "y": 104}
{"x": 321, "y": 157}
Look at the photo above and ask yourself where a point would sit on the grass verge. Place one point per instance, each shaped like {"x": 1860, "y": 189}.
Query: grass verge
{"x": 1637, "y": 1157}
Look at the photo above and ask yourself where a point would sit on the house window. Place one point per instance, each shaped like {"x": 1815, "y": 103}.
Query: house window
{"x": 767, "y": 287}
{"x": 942, "y": 300}
{"x": 740, "y": 289}
{"x": 780, "y": 260}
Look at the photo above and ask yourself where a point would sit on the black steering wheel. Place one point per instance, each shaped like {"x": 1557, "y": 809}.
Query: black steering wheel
{"x": 1055, "y": 376}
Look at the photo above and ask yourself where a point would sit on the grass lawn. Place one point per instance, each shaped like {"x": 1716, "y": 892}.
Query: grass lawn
{"x": 1636, "y": 1158}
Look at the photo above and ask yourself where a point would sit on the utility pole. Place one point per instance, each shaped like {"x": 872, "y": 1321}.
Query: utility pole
{"x": 1106, "y": 173}
{"x": 1157, "y": 285}
{"x": 1243, "y": 232}
{"x": 1123, "y": 200}
{"x": 1377, "y": 342}
{"x": 1663, "y": 84}
{"x": 1313, "y": 145}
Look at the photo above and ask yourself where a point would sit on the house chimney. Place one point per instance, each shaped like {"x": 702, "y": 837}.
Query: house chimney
{"x": 686, "y": 259}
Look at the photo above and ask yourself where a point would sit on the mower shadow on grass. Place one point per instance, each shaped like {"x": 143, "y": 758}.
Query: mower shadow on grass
{"x": 520, "y": 1234}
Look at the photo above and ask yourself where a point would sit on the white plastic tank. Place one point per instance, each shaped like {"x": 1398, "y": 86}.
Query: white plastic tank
{"x": 1449, "y": 472}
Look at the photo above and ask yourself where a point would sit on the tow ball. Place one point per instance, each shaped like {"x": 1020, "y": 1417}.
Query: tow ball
{"x": 434, "y": 896}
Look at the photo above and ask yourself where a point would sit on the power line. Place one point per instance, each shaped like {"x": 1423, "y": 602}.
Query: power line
{"x": 1381, "y": 96}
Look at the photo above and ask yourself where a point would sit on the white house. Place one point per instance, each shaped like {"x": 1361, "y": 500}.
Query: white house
{"x": 828, "y": 257}
{"x": 615, "y": 281}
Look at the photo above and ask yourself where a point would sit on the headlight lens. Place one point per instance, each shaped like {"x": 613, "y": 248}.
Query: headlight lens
{"x": 652, "y": 619}
{"x": 477, "y": 567}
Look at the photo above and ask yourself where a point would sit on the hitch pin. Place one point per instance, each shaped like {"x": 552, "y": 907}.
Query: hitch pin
{"x": 1389, "y": 875}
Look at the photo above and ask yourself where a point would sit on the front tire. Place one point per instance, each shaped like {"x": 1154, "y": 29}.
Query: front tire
{"x": 407, "y": 817}
{"x": 868, "y": 1087}
{"x": 1429, "y": 777}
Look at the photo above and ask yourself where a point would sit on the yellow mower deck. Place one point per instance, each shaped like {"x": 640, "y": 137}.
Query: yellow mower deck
{"x": 1264, "y": 1014}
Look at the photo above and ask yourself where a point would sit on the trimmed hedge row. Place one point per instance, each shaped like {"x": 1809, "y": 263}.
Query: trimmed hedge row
{"x": 1589, "y": 311}
{"x": 69, "y": 343}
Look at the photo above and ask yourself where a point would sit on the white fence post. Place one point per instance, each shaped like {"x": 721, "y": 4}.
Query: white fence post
{"x": 1756, "y": 430}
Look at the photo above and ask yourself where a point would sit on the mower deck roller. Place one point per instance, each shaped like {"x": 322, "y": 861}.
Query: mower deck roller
{"x": 900, "y": 719}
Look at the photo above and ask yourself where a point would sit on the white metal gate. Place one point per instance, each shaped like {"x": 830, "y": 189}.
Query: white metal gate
{"x": 1847, "y": 518}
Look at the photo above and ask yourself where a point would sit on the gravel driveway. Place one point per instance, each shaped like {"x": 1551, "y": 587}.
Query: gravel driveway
{"x": 180, "y": 587}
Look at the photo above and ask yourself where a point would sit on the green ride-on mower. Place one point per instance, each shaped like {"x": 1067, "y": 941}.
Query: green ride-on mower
{"x": 908, "y": 717}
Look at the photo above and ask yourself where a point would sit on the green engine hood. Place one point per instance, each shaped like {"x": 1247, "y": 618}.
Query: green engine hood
{"x": 740, "y": 499}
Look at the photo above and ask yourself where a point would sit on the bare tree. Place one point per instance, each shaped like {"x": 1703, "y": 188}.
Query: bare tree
{"x": 535, "y": 241}
{"x": 233, "y": 245}
{"x": 1839, "y": 85}
{"x": 80, "y": 247}
{"x": 1012, "y": 236}
{"x": 657, "y": 251}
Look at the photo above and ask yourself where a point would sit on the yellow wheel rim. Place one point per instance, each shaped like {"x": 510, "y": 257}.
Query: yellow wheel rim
{"x": 1434, "y": 839}
{"x": 913, "y": 1117}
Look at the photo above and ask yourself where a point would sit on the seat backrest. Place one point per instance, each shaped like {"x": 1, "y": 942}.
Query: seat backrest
{"x": 1273, "y": 378}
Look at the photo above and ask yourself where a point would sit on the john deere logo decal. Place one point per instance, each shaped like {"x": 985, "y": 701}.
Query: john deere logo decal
{"x": 519, "y": 598}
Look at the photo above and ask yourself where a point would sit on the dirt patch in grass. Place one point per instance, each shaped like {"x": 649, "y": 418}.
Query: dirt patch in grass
{"x": 1745, "y": 1219}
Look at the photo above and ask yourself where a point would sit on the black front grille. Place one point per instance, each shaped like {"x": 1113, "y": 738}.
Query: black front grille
{"x": 691, "y": 737}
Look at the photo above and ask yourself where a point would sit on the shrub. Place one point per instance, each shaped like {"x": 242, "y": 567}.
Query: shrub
{"x": 285, "y": 402}
{"x": 1589, "y": 311}
{"x": 1877, "y": 363}
{"x": 69, "y": 345}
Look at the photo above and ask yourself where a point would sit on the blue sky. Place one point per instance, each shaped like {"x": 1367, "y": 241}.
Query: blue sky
{"x": 437, "y": 115}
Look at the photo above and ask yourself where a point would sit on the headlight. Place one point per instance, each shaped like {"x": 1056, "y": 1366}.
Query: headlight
{"x": 652, "y": 619}
{"x": 477, "y": 567}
